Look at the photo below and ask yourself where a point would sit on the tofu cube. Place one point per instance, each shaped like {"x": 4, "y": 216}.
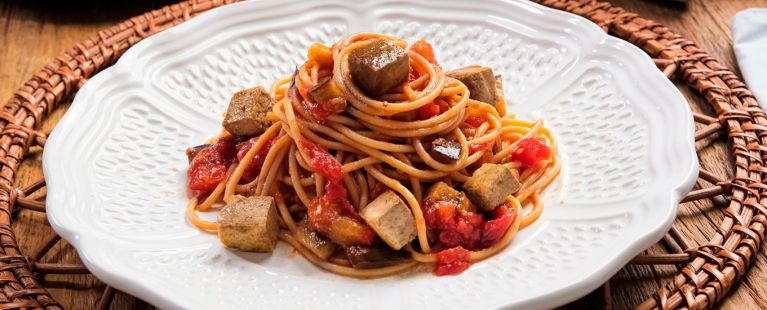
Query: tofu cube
{"x": 249, "y": 224}
{"x": 379, "y": 66}
{"x": 480, "y": 81}
{"x": 246, "y": 114}
{"x": 489, "y": 186}
{"x": 391, "y": 219}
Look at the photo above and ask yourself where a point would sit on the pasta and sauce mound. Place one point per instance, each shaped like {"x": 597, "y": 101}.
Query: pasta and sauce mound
{"x": 370, "y": 159}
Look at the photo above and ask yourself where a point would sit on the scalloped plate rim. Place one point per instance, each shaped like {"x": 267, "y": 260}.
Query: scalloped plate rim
{"x": 76, "y": 236}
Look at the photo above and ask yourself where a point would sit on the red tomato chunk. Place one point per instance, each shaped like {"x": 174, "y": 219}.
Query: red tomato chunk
{"x": 531, "y": 151}
{"x": 208, "y": 168}
{"x": 452, "y": 261}
{"x": 453, "y": 227}
{"x": 320, "y": 111}
{"x": 427, "y": 111}
{"x": 414, "y": 75}
{"x": 475, "y": 121}
{"x": 332, "y": 214}
{"x": 321, "y": 161}
{"x": 493, "y": 230}
{"x": 424, "y": 49}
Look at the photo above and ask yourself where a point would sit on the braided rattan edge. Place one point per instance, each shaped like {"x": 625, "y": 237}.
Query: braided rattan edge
{"x": 23, "y": 114}
{"x": 715, "y": 267}
{"x": 711, "y": 271}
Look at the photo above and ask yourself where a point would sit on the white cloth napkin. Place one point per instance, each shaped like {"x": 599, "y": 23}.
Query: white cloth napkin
{"x": 749, "y": 32}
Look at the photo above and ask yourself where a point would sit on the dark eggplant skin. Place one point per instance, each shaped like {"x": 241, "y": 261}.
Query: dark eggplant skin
{"x": 363, "y": 257}
{"x": 446, "y": 151}
{"x": 192, "y": 151}
{"x": 316, "y": 243}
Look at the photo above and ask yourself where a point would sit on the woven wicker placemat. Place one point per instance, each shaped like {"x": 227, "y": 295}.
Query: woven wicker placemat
{"x": 707, "y": 271}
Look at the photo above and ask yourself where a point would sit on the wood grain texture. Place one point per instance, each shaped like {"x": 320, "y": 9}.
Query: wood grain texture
{"x": 32, "y": 32}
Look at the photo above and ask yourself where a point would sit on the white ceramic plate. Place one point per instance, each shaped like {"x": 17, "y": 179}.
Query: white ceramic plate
{"x": 116, "y": 168}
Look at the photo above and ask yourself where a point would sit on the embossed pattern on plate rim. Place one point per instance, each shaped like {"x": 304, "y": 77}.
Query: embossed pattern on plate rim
{"x": 60, "y": 199}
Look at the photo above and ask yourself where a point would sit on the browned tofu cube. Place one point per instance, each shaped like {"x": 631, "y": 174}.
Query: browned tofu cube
{"x": 489, "y": 186}
{"x": 480, "y": 81}
{"x": 391, "y": 219}
{"x": 379, "y": 66}
{"x": 250, "y": 224}
{"x": 440, "y": 191}
{"x": 444, "y": 150}
{"x": 246, "y": 114}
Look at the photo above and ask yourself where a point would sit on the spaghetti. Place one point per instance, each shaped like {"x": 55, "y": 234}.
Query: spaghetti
{"x": 308, "y": 157}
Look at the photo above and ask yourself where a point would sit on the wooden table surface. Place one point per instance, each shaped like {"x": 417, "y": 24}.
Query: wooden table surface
{"x": 34, "y": 31}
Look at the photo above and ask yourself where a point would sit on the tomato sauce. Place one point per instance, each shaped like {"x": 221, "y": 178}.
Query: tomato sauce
{"x": 321, "y": 161}
{"x": 455, "y": 227}
{"x": 475, "y": 121}
{"x": 414, "y": 74}
{"x": 494, "y": 229}
{"x": 531, "y": 151}
{"x": 208, "y": 168}
{"x": 424, "y": 49}
{"x": 254, "y": 168}
{"x": 452, "y": 261}
{"x": 321, "y": 110}
{"x": 379, "y": 189}
{"x": 480, "y": 146}
{"x": 460, "y": 230}
{"x": 427, "y": 111}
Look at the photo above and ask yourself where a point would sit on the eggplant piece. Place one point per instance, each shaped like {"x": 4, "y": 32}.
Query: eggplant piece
{"x": 327, "y": 97}
{"x": 347, "y": 232}
{"x": 378, "y": 66}
{"x": 192, "y": 151}
{"x": 325, "y": 90}
{"x": 316, "y": 243}
{"x": 442, "y": 192}
{"x": 446, "y": 151}
{"x": 375, "y": 257}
